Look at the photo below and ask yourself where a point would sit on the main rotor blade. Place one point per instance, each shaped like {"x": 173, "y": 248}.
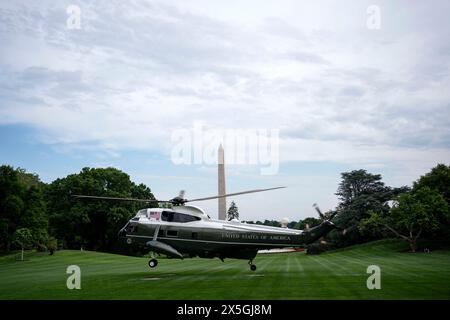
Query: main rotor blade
{"x": 113, "y": 198}
{"x": 233, "y": 194}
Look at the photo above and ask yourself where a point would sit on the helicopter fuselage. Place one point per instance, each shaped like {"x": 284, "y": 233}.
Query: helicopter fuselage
{"x": 186, "y": 232}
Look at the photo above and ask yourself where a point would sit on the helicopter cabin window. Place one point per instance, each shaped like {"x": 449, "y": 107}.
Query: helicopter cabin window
{"x": 171, "y": 216}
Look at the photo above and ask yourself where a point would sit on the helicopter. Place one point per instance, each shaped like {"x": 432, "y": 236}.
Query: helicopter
{"x": 187, "y": 231}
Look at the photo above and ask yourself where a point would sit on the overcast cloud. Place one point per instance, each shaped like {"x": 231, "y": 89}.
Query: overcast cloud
{"x": 135, "y": 71}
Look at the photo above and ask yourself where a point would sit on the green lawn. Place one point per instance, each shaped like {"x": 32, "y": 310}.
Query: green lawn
{"x": 335, "y": 275}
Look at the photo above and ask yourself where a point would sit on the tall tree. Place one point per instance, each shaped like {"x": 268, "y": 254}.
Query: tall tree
{"x": 233, "y": 212}
{"x": 22, "y": 205}
{"x": 357, "y": 183}
{"x": 359, "y": 193}
{"x": 438, "y": 178}
{"x": 11, "y": 205}
{"x": 93, "y": 223}
{"x": 415, "y": 212}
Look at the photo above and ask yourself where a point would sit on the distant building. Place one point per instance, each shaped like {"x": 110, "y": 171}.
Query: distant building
{"x": 284, "y": 222}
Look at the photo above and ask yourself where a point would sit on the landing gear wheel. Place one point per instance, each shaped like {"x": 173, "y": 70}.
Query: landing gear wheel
{"x": 153, "y": 263}
{"x": 252, "y": 267}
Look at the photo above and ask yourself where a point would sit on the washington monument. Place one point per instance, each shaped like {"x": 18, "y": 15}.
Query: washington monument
{"x": 221, "y": 179}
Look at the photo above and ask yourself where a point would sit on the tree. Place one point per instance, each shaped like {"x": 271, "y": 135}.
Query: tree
{"x": 22, "y": 205}
{"x": 89, "y": 223}
{"x": 233, "y": 212}
{"x": 28, "y": 179}
{"x": 438, "y": 179}
{"x": 292, "y": 224}
{"x": 272, "y": 223}
{"x": 35, "y": 216}
{"x": 11, "y": 205}
{"x": 357, "y": 183}
{"x": 23, "y": 238}
{"x": 415, "y": 212}
{"x": 360, "y": 193}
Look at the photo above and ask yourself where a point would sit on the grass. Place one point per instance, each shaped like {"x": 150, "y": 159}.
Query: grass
{"x": 334, "y": 275}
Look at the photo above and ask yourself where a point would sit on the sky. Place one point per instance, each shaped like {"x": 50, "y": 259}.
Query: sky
{"x": 343, "y": 85}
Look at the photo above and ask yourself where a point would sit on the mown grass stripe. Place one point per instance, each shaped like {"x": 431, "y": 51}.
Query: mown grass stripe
{"x": 335, "y": 275}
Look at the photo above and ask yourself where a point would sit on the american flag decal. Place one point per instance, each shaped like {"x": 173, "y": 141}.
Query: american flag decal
{"x": 156, "y": 215}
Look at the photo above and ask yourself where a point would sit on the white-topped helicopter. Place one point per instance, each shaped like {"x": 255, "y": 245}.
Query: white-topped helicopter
{"x": 186, "y": 231}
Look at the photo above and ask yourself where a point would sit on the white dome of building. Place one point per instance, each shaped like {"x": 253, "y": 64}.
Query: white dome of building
{"x": 284, "y": 222}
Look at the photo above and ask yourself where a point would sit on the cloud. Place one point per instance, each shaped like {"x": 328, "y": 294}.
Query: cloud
{"x": 304, "y": 57}
{"x": 352, "y": 91}
{"x": 136, "y": 71}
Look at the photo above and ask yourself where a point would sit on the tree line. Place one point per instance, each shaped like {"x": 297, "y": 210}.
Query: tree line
{"x": 369, "y": 210}
{"x": 46, "y": 216}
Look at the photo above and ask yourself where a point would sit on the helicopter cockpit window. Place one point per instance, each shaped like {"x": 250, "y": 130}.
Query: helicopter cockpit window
{"x": 171, "y": 216}
{"x": 142, "y": 213}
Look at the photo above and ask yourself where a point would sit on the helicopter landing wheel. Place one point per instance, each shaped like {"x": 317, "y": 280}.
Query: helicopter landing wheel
{"x": 252, "y": 266}
{"x": 153, "y": 263}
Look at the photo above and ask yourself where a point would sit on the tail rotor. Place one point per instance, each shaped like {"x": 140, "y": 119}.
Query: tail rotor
{"x": 327, "y": 216}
